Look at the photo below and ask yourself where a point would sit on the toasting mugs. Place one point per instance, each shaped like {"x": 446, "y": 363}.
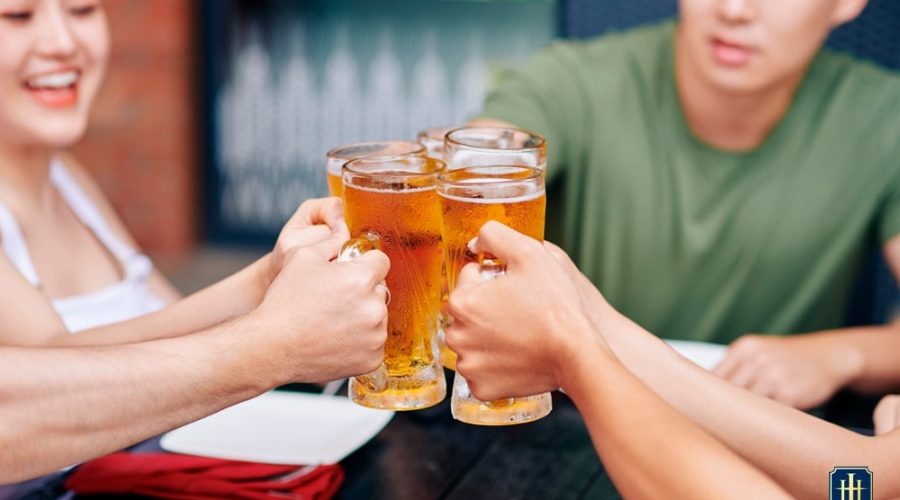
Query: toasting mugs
{"x": 422, "y": 212}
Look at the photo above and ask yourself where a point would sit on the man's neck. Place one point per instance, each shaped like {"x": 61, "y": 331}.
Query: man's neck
{"x": 724, "y": 119}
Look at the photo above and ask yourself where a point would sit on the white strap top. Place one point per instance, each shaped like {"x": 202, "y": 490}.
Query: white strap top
{"x": 120, "y": 301}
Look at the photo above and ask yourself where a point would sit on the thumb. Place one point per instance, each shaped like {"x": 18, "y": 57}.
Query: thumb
{"x": 505, "y": 243}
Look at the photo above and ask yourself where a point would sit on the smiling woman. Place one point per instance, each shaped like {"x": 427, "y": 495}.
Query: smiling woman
{"x": 53, "y": 62}
{"x": 67, "y": 258}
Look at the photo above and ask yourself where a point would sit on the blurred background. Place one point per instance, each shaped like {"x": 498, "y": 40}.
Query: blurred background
{"x": 216, "y": 115}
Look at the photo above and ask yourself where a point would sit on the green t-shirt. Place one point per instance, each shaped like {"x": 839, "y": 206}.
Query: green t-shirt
{"x": 697, "y": 243}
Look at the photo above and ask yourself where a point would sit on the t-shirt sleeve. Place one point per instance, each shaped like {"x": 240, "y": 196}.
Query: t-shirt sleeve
{"x": 544, "y": 95}
{"x": 889, "y": 218}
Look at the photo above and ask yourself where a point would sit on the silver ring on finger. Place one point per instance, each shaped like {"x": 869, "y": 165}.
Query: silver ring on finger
{"x": 387, "y": 292}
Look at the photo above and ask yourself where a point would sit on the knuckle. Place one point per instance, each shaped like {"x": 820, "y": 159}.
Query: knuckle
{"x": 371, "y": 363}
{"x": 357, "y": 281}
{"x": 463, "y": 365}
{"x": 451, "y": 338}
{"x": 531, "y": 248}
{"x": 459, "y": 302}
{"x": 747, "y": 344}
{"x": 483, "y": 392}
{"x": 373, "y": 313}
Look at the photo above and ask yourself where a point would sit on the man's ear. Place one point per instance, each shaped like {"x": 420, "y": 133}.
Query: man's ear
{"x": 846, "y": 11}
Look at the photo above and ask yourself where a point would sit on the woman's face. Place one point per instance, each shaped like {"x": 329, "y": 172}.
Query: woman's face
{"x": 53, "y": 56}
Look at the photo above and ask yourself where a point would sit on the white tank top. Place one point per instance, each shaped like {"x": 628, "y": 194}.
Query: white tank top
{"x": 120, "y": 301}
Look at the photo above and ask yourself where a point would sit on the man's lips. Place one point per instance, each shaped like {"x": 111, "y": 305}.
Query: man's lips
{"x": 730, "y": 53}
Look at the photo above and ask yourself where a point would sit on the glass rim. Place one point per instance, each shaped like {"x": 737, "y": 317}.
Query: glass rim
{"x": 416, "y": 149}
{"x": 542, "y": 141}
{"x": 428, "y": 133}
{"x": 437, "y": 166}
{"x": 445, "y": 177}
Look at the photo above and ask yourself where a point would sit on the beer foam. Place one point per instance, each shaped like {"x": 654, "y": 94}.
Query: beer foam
{"x": 492, "y": 200}
{"x": 405, "y": 190}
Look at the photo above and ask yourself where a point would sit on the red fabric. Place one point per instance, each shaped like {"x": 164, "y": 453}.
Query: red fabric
{"x": 185, "y": 477}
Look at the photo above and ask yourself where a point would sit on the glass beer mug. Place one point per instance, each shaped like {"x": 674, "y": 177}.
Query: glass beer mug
{"x": 472, "y": 191}
{"x": 473, "y": 146}
{"x": 433, "y": 140}
{"x": 390, "y": 203}
{"x": 337, "y": 157}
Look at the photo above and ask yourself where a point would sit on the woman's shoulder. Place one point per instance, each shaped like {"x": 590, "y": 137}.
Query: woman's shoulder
{"x": 97, "y": 197}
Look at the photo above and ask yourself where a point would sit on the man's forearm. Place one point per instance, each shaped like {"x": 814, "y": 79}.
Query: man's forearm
{"x": 879, "y": 349}
{"x": 794, "y": 448}
{"x": 649, "y": 449}
{"x": 62, "y": 406}
{"x": 235, "y": 295}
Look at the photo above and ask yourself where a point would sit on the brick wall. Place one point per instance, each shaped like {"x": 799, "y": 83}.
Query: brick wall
{"x": 142, "y": 144}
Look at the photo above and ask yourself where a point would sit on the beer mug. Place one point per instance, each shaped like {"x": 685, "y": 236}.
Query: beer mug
{"x": 337, "y": 157}
{"x": 514, "y": 195}
{"x": 478, "y": 146}
{"x": 390, "y": 203}
{"x": 474, "y": 146}
{"x": 433, "y": 140}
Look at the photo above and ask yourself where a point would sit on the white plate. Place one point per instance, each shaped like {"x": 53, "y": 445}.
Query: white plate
{"x": 703, "y": 353}
{"x": 281, "y": 428}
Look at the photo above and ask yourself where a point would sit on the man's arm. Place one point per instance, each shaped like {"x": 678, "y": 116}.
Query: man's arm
{"x": 547, "y": 341}
{"x": 64, "y": 405}
{"x": 649, "y": 449}
{"x": 792, "y": 447}
{"x": 805, "y": 370}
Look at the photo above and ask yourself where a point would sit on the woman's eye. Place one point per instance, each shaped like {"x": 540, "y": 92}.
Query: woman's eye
{"x": 85, "y": 10}
{"x": 17, "y": 16}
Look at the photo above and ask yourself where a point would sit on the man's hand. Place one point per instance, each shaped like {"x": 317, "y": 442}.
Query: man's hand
{"x": 887, "y": 414}
{"x": 801, "y": 371}
{"x": 324, "y": 319}
{"x": 516, "y": 335}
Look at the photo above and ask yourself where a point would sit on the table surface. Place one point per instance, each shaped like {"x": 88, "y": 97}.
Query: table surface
{"x": 426, "y": 454}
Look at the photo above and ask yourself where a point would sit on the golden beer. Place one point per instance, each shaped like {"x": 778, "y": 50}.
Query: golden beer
{"x": 433, "y": 140}
{"x": 473, "y": 146}
{"x": 394, "y": 201}
{"x": 515, "y": 196}
{"x": 337, "y": 157}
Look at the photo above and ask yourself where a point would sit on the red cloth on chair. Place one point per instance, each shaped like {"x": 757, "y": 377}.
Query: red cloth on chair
{"x": 168, "y": 475}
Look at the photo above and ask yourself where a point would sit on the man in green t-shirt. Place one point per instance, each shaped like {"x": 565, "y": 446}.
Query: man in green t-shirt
{"x": 721, "y": 176}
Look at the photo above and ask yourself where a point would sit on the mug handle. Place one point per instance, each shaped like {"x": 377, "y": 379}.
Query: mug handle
{"x": 375, "y": 381}
{"x": 492, "y": 268}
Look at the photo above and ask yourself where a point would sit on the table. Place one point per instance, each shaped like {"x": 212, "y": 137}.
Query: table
{"x": 427, "y": 455}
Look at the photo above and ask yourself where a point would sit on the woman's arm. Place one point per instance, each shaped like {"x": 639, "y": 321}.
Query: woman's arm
{"x": 234, "y": 296}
